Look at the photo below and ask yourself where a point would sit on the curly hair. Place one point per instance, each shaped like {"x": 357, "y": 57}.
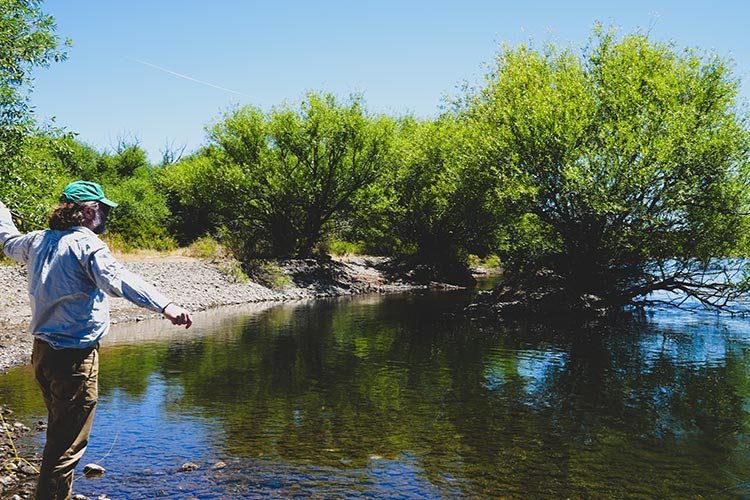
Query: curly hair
{"x": 66, "y": 215}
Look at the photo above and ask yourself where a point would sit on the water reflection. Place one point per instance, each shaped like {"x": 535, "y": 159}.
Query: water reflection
{"x": 405, "y": 396}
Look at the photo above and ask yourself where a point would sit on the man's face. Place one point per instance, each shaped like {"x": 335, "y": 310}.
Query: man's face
{"x": 97, "y": 217}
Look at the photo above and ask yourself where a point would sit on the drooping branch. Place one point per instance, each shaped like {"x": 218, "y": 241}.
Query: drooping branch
{"x": 717, "y": 284}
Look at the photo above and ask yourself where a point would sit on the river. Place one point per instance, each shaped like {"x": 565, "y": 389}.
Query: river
{"x": 403, "y": 396}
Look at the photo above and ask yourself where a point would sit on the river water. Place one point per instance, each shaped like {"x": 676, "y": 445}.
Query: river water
{"x": 403, "y": 396}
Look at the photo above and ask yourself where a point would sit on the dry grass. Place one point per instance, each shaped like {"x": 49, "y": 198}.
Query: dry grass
{"x": 177, "y": 255}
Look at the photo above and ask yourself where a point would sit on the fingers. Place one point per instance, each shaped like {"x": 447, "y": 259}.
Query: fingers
{"x": 178, "y": 316}
{"x": 182, "y": 319}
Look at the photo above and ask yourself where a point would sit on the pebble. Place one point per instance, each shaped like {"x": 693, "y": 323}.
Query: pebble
{"x": 20, "y": 427}
{"x": 29, "y": 470}
{"x": 219, "y": 465}
{"x": 189, "y": 466}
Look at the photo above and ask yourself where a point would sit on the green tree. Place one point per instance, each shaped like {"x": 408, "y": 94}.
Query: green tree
{"x": 27, "y": 41}
{"x": 285, "y": 175}
{"x": 441, "y": 206}
{"x": 204, "y": 195}
{"x": 142, "y": 217}
{"x": 626, "y": 168}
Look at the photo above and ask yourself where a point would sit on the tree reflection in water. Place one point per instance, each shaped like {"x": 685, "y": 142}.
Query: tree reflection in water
{"x": 363, "y": 395}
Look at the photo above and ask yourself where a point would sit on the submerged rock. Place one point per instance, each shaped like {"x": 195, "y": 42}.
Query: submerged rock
{"x": 93, "y": 470}
{"x": 189, "y": 466}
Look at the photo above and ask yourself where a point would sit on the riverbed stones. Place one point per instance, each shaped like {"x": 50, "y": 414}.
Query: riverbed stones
{"x": 189, "y": 466}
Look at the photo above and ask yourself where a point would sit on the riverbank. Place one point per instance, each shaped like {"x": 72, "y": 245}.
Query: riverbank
{"x": 199, "y": 285}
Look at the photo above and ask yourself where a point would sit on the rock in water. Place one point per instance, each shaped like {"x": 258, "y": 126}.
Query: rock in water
{"x": 188, "y": 466}
{"x": 93, "y": 470}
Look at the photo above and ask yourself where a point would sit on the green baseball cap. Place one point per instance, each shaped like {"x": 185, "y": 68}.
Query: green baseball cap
{"x": 80, "y": 191}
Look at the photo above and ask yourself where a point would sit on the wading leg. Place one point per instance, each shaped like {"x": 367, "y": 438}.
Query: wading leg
{"x": 68, "y": 380}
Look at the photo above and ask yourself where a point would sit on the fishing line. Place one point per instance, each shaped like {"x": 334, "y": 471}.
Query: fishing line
{"x": 13, "y": 446}
{"x": 117, "y": 434}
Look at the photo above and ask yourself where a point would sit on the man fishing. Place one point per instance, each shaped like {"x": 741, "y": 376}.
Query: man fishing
{"x": 70, "y": 273}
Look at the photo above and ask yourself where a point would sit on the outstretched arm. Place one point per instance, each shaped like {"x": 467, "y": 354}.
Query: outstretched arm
{"x": 116, "y": 280}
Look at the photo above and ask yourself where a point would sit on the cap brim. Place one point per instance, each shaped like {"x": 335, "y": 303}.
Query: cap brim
{"x": 108, "y": 202}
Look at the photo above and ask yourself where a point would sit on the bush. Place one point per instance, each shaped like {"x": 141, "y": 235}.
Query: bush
{"x": 341, "y": 247}
{"x": 207, "y": 247}
{"x": 273, "y": 184}
{"x": 142, "y": 217}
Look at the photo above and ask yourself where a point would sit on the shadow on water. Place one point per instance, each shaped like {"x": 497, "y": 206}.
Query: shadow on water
{"x": 405, "y": 396}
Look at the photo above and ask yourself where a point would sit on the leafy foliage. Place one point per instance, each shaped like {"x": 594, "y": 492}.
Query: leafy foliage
{"x": 616, "y": 162}
{"x": 277, "y": 181}
{"x": 141, "y": 219}
{"x": 27, "y": 41}
{"x": 442, "y": 201}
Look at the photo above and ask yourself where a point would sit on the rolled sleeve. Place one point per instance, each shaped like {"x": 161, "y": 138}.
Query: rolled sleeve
{"x": 115, "y": 280}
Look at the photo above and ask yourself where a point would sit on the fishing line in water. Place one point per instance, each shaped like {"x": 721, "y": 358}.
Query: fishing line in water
{"x": 117, "y": 434}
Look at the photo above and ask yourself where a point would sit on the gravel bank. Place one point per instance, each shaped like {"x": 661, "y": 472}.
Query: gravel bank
{"x": 200, "y": 285}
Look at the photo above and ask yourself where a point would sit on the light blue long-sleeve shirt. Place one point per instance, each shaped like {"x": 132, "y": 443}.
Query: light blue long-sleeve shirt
{"x": 70, "y": 274}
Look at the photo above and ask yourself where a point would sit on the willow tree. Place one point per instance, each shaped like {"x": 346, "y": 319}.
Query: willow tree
{"x": 625, "y": 168}
{"x": 282, "y": 178}
{"x": 439, "y": 204}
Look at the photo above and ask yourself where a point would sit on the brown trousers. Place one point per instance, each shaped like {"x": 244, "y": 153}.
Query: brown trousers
{"x": 68, "y": 380}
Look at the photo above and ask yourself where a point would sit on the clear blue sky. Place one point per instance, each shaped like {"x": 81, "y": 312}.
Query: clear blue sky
{"x": 403, "y": 56}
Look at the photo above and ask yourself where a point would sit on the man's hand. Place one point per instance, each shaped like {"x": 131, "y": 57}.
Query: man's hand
{"x": 177, "y": 315}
